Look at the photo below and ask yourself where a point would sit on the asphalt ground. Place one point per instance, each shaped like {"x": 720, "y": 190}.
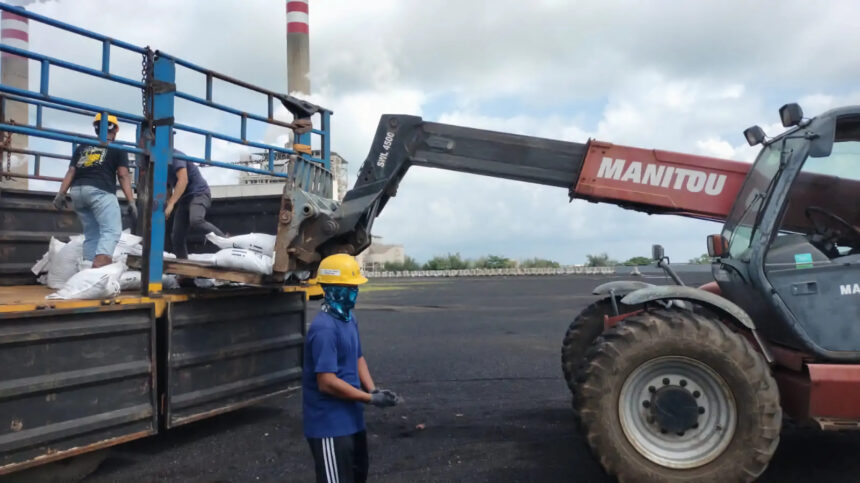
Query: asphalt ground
{"x": 477, "y": 361}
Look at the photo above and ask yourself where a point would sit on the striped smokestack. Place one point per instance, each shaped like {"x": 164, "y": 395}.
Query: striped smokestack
{"x": 298, "y": 47}
{"x": 14, "y": 70}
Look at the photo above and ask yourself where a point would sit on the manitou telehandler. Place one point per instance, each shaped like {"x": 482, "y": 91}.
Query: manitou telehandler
{"x": 671, "y": 383}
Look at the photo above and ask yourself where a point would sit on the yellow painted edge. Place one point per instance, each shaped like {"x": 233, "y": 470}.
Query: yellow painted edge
{"x": 160, "y": 303}
{"x": 155, "y": 287}
{"x": 17, "y": 308}
{"x": 311, "y": 289}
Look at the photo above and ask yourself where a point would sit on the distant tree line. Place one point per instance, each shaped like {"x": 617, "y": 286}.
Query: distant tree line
{"x": 453, "y": 261}
{"x": 603, "y": 260}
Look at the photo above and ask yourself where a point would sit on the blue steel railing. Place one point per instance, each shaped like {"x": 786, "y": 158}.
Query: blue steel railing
{"x": 154, "y": 129}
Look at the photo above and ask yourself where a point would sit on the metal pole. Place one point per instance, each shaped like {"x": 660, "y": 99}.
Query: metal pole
{"x": 161, "y": 153}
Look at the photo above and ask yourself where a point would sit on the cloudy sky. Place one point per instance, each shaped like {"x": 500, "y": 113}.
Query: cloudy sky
{"x": 682, "y": 76}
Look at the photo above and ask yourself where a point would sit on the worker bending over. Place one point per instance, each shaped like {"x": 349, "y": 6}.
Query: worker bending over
{"x": 190, "y": 199}
{"x": 336, "y": 381}
{"x": 91, "y": 182}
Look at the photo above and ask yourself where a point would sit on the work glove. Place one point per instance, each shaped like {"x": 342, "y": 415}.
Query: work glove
{"x": 383, "y": 398}
{"x": 59, "y": 201}
{"x": 132, "y": 211}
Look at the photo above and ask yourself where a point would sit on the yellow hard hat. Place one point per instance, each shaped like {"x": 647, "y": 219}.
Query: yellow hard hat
{"x": 340, "y": 269}
{"x": 111, "y": 119}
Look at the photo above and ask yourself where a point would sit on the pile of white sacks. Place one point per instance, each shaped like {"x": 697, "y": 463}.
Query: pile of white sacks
{"x": 63, "y": 269}
{"x": 251, "y": 253}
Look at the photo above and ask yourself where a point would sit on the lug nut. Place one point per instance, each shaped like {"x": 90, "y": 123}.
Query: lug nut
{"x": 696, "y": 394}
{"x": 646, "y": 404}
{"x": 665, "y": 381}
{"x": 683, "y": 382}
{"x": 663, "y": 431}
{"x": 695, "y": 425}
{"x": 680, "y": 433}
{"x": 701, "y": 410}
{"x": 652, "y": 389}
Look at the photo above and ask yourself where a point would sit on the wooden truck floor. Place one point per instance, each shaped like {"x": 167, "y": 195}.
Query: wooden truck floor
{"x": 23, "y": 298}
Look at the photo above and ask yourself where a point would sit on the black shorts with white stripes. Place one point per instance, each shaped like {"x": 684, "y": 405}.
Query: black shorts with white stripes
{"x": 342, "y": 459}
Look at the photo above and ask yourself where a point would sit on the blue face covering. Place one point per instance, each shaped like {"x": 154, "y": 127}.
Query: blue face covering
{"x": 340, "y": 300}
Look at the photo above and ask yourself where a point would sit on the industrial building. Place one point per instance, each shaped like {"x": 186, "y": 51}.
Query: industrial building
{"x": 378, "y": 254}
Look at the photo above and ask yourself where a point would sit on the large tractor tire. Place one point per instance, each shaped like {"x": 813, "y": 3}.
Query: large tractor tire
{"x": 669, "y": 395}
{"x": 585, "y": 329}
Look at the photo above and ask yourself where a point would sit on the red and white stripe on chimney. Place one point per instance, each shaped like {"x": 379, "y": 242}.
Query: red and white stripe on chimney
{"x": 14, "y": 31}
{"x": 298, "y": 47}
{"x": 297, "y": 17}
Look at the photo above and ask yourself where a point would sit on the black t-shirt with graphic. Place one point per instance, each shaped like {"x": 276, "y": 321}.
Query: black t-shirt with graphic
{"x": 96, "y": 166}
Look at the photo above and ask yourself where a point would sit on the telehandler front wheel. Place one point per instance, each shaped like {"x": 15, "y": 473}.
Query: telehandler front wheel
{"x": 669, "y": 395}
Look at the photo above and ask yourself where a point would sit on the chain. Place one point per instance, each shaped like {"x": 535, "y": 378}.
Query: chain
{"x": 146, "y": 93}
{"x": 6, "y": 146}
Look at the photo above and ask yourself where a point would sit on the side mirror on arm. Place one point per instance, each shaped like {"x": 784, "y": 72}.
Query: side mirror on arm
{"x": 790, "y": 114}
{"x": 657, "y": 252}
{"x": 754, "y": 135}
{"x": 718, "y": 246}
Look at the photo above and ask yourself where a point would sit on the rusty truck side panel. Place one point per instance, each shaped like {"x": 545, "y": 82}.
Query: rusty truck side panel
{"x": 74, "y": 380}
{"x": 227, "y": 352}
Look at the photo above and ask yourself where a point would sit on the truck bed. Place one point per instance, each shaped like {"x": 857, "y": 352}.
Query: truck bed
{"x": 82, "y": 375}
{"x": 21, "y": 298}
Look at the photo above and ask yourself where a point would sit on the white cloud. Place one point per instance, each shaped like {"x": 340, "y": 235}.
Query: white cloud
{"x": 685, "y": 77}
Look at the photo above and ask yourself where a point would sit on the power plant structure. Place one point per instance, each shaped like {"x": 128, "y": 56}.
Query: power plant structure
{"x": 298, "y": 84}
{"x": 14, "y": 70}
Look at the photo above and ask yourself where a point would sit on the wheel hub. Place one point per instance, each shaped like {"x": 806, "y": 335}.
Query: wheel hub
{"x": 677, "y": 412}
{"x": 674, "y": 409}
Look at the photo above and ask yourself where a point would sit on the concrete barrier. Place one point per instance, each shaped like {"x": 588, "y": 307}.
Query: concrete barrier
{"x": 493, "y": 272}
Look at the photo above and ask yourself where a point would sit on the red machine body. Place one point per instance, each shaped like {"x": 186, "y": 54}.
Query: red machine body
{"x": 660, "y": 181}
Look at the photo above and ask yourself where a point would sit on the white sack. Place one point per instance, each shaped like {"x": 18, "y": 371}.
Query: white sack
{"x": 210, "y": 282}
{"x": 130, "y": 239}
{"x": 246, "y": 260}
{"x": 256, "y": 242}
{"x": 128, "y": 244}
{"x": 122, "y": 250}
{"x": 92, "y": 283}
{"x": 169, "y": 281}
{"x": 44, "y": 263}
{"x": 65, "y": 262}
{"x": 130, "y": 280}
{"x": 202, "y": 257}
{"x": 125, "y": 248}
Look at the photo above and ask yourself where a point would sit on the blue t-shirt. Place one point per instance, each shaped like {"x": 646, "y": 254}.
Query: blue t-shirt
{"x": 332, "y": 345}
{"x": 197, "y": 184}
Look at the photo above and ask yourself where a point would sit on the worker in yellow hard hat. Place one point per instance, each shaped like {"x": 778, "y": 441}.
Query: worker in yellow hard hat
{"x": 336, "y": 381}
{"x": 91, "y": 181}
